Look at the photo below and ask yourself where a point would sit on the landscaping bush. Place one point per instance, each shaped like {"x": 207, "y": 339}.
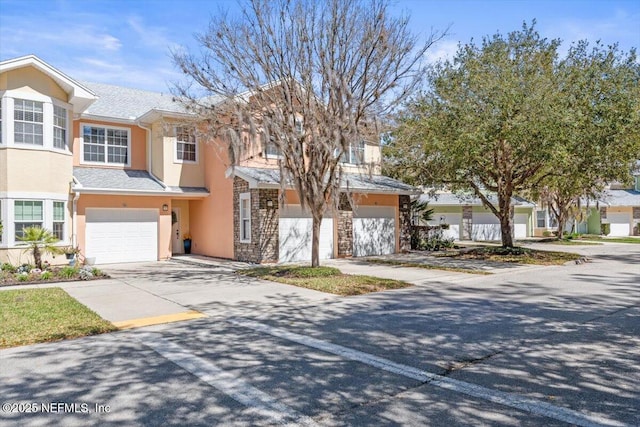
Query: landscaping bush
{"x": 547, "y": 233}
{"x": 605, "y": 229}
{"x": 8, "y": 268}
{"x": 68, "y": 272}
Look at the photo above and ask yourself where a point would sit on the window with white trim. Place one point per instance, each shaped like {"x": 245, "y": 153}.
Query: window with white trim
{"x": 58, "y": 220}
{"x": 354, "y": 154}
{"x": 541, "y": 219}
{"x": 27, "y": 213}
{"x": 186, "y": 144}
{"x": 59, "y": 127}
{"x": 28, "y": 119}
{"x": 105, "y": 145}
{"x": 269, "y": 148}
{"x": 245, "y": 217}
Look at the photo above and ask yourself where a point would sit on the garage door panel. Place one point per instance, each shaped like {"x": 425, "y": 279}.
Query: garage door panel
{"x": 619, "y": 223}
{"x": 295, "y": 232}
{"x": 453, "y": 219}
{"x": 121, "y": 235}
{"x": 520, "y": 225}
{"x": 486, "y": 226}
{"x": 374, "y": 230}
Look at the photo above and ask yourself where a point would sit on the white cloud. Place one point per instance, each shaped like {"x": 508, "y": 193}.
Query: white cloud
{"x": 442, "y": 50}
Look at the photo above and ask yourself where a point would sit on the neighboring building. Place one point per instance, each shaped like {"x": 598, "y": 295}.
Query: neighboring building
{"x": 117, "y": 172}
{"x": 619, "y": 206}
{"x": 468, "y": 219}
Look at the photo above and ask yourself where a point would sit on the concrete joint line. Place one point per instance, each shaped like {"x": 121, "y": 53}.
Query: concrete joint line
{"x": 239, "y": 390}
{"x": 529, "y": 405}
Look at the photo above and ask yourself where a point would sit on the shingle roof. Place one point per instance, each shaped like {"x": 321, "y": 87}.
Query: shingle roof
{"x": 621, "y": 198}
{"x": 116, "y": 179}
{"x": 263, "y": 177}
{"x": 127, "y": 103}
{"x": 448, "y": 199}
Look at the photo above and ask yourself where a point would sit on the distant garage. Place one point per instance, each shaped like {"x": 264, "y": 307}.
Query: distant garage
{"x": 620, "y": 223}
{"x": 121, "y": 235}
{"x": 374, "y": 230}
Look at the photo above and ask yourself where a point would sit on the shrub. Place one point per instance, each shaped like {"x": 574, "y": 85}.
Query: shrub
{"x": 23, "y": 277}
{"x": 68, "y": 272}
{"x": 46, "y": 275}
{"x": 8, "y": 268}
{"x": 546, "y": 233}
{"x": 605, "y": 229}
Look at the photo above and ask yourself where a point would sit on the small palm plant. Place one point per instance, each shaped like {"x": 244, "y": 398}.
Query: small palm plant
{"x": 39, "y": 241}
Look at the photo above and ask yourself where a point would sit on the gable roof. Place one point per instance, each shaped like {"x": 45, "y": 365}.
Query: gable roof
{"x": 621, "y": 198}
{"x": 80, "y": 96}
{"x": 361, "y": 183}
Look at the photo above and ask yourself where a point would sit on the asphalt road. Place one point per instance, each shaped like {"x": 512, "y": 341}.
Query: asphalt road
{"x": 547, "y": 346}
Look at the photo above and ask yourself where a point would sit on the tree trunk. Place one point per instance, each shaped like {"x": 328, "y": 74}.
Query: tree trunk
{"x": 506, "y": 222}
{"x": 37, "y": 258}
{"x": 315, "y": 241}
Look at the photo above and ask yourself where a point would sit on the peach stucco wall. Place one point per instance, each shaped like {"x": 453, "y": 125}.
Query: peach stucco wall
{"x": 36, "y": 171}
{"x": 147, "y": 202}
{"x": 138, "y": 144}
{"x": 211, "y": 218}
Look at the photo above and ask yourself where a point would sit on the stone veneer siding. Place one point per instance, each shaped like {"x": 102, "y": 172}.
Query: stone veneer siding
{"x": 467, "y": 223}
{"x": 264, "y": 224}
{"x": 405, "y": 223}
{"x": 345, "y": 228}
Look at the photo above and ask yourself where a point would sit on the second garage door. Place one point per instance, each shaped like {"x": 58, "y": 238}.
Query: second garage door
{"x": 295, "y": 233}
{"x": 121, "y": 235}
{"x": 374, "y": 230}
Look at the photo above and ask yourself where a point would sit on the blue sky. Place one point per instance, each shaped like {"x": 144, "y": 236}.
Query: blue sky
{"x": 127, "y": 42}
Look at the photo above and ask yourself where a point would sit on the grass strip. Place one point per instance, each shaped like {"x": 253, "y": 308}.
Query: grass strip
{"x": 29, "y": 316}
{"x": 324, "y": 279}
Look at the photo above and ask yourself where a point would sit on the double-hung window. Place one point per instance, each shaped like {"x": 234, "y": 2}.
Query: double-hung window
{"x": 541, "y": 219}
{"x": 58, "y": 220}
{"x": 185, "y": 144}
{"x": 28, "y": 117}
{"x": 269, "y": 148}
{"x": 59, "y": 127}
{"x": 245, "y": 217}
{"x": 355, "y": 154}
{"x": 27, "y": 213}
{"x": 105, "y": 145}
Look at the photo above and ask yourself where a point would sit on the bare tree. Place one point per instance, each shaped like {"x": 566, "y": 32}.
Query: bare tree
{"x": 309, "y": 77}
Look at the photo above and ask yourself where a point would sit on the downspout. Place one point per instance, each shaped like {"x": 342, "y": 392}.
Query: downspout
{"x": 74, "y": 217}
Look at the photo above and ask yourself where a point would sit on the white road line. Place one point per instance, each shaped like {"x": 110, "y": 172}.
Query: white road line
{"x": 256, "y": 400}
{"x": 529, "y": 405}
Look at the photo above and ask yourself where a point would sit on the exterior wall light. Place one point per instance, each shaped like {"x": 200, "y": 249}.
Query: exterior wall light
{"x": 165, "y": 207}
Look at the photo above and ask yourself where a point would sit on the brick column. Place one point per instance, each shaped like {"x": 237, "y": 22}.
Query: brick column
{"x": 345, "y": 227}
{"x": 404, "y": 210}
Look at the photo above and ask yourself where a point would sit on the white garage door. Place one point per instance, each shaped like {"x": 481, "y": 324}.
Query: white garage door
{"x": 620, "y": 224}
{"x": 121, "y": 235}
{"x": 295, "y": 230}
{"x": 486, "y": 226}
{"x": 374, "y": 230}
{"x": 453, "y": 219}
{"x": 520, "y": 226}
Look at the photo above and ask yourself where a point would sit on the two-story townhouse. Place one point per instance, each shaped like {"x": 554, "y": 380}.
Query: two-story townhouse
{"x": 136, "y": 178}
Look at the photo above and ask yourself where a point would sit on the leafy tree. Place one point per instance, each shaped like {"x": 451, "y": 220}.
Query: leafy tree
{"x": 309, "y": 77}
{"x": 486, "y": 122}
{"x": 598, "y": 139}
{"x": 39, "y": 241}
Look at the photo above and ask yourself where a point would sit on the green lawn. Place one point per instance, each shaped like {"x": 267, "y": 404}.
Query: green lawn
{"x": 516, "y": 255}
{"x": 635, "y": 240}
{"x": 324, "y": 279}
{"x": 568, "y": 242}
{"x": 426, "y": 266}
{"x": 29, "y": 316}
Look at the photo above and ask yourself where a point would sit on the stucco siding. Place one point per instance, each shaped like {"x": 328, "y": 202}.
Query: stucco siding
{"x": 30, "y": 79}
{"x": 36, "y": 171}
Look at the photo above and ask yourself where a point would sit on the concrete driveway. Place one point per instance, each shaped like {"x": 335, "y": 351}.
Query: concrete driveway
{"x": 549, "y": 346}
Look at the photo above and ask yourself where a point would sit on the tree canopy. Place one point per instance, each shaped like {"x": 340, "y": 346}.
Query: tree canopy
{"x": 308, "y": 77}
{"x": 508, "y": 117}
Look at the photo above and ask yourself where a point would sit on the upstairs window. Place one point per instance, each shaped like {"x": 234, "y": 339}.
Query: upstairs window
{"x": 355, "y": 154}
{"x": 28, "y": 119}
{"x": 186, "y": 144}
{"x": 105, "y": 145}
{"x": 269, "y": 148}
{"x": 59, "y": 127}
{"x": 28, "y": 213}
